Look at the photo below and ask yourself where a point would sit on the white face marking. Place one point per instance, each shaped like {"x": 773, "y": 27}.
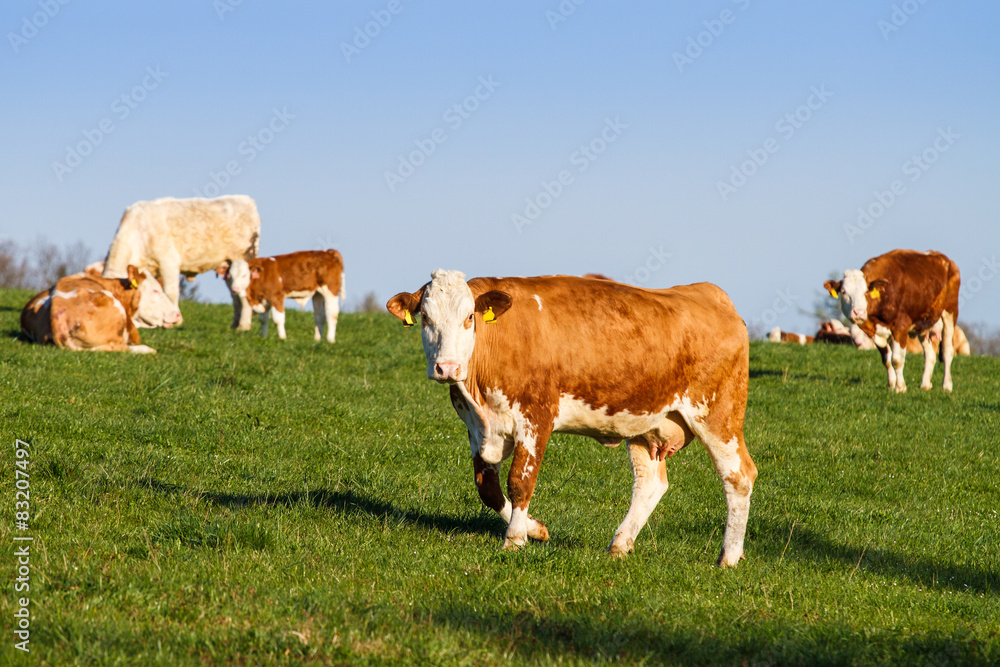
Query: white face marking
{"x": 239, "y": 277}
{"x": 155, "y": 307}
{"x": 854, "y": 295}
{"x": 447, "y": 327}
{"x": 538, "y": 299}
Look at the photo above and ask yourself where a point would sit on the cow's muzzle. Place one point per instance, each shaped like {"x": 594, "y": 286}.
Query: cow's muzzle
{"x": 447, "y": 371}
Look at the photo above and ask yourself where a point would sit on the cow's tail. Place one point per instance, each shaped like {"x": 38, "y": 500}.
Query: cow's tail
{"x": 343, "y": 288}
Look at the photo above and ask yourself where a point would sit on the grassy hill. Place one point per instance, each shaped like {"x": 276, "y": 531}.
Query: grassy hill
{"x": 234, "y": 500}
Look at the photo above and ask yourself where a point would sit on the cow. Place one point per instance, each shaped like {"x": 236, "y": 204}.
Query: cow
{"x": 776, "y": 335}
{"x": 170, "y": 237}
{"x": 266, "y": 282}
{"x": 834, "y": 332}
{"x": 960, "y": 342}
{"x": 84, "y": 312}
{"x": 155, "y": 307}
{"x": 528, "y": 357}
{"x": 899, "y": 294}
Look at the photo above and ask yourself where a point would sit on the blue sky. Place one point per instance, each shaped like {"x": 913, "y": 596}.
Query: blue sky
{"x": 659, "y": 143}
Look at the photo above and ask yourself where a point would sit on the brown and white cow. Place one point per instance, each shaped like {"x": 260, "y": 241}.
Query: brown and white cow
{"x": 527, "y": 357}
{"x": 266, "y": 282}
{"x": 172, "y": 236}
{"x": 899, "y": 294}
{"x": 155, "y": 307}
{"x": 84, "y": 312}
{"x": 833, "y": 332}
{"x": 776, "y": 335}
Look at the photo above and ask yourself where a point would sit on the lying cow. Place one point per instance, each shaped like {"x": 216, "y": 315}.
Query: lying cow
{"x": 834, "y": 332}
{"x": 776, "y": 335}
{"x": 87, "y": 313}
{"x": 960, "y": 341}
{"x": 266, "y": 282}
{"x": 155, "y": 307}
{"x": 173, "y": 236}
{"x": 527, "y": 357}
{"x": 899, "y": 294}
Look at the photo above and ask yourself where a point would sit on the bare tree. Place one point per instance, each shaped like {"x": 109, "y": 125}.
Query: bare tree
{"x": 13, "y": 266}
{"x": 983, "y": 339}
{"x": 370, "y": 304}
{"x": 825, "y": 307}
{"x": 52, "y": 263}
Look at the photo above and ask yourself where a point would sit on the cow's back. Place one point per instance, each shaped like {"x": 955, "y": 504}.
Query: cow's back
{"x": 616, "y": 345}
{"x": 923, "y": 284}
{"x": 86, "y": 315}
{"x": 201, "y": 232}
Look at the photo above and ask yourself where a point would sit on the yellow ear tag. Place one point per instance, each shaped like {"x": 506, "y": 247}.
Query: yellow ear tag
{"x": 407, "y": 319}
{"x": 833, "y": 293}
{"x": 133, "y": 283}
{"x": 874, "y": 293}
{"x": 488, "y": 316}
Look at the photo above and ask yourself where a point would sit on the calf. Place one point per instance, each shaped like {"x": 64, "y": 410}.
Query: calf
{"x": 776, "y": 335}
{"x": 267, "y": 281}
{"x": 833, "y": 332}
{"x": 899, "y": 294}
{"x": 527, "y": 357}
{"x": 87, "y": 313}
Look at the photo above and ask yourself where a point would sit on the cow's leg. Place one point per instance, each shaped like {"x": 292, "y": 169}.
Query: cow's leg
{"x": 898, "y": 360}
{"x": 263, "y": 323}
{"x": 488, "y": 485}
{"x": 170, "y": 276}
{"x": 332, "y": 314}
{"x": 648, "y": 486}
{"x": 528, "y": 451}
{"x": 947, "y": 346}
{"x": 278, "y": 315}
{"x": 930, "y": 358}
{"x": 319, "y": 315}
{"x": 735, "y": 467}
{"x": 885, "y": 351}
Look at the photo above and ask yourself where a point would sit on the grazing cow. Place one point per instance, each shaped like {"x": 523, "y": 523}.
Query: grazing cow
{"x": 84, "y": 312}
{"x": 267, "y": 281}
{"x": 776, "y": 335}
{"x": 173, "y": 236}
{"x": 897, "y": 293}
{"x": 960, "y": 342}
{"x": 527, "y": 357}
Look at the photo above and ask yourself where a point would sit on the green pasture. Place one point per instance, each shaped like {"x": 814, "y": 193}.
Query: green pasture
{"x": 234, "y": 500}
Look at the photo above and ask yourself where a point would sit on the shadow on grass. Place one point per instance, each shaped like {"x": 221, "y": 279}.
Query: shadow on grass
{"x": 601, "y": 635}
{"x": 345, "y": 502}
{"x": 923, "y": 571}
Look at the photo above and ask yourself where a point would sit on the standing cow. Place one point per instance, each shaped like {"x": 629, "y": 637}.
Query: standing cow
{"x": 897, "y": 293}
{"x": 527, "y": 357}
{"x": 173, "y": 236}
{"x": 266, "y": 282}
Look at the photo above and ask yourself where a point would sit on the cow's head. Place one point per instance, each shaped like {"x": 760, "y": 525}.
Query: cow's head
{"x": 237, "y": 275}
{"x": 857, "y": 296}
{"x": 155, "y": 308}
{"x": 449, "y": 315}
{"x": 861, "y": 339}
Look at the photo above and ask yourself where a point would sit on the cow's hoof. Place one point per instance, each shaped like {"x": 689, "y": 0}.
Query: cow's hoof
{"x": 538, "y": 531}
{"x": 619, "y": 550}
{"x": 513, "y": 545}
{"x": 926, "y": 387}
{"x": 725, "y": 561}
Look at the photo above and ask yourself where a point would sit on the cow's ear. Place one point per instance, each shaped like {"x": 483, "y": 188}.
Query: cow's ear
{"x": 877, "y": 287}
{"x": 134, "y": 277}
{"x": 405, "y": 305}
{"x": 833, "y": 287}
{"x": 492, "y": 304}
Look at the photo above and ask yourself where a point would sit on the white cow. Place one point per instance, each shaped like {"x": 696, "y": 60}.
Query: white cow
{"x": 171, "y": 236}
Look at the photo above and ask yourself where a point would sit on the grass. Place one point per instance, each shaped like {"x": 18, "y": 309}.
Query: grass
{"x": 233, "y": 500}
